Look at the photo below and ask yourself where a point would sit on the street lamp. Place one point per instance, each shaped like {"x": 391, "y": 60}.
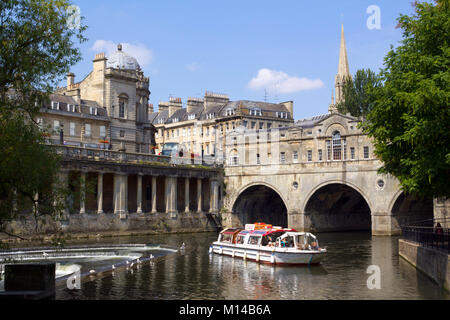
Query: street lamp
{"x": 61, "y": 134}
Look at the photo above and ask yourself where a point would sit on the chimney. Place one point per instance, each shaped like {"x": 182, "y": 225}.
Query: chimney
{"x": 290, "y": 106}
{"x": 150, "y": 108}
{"x": 193, "y": 103}
{"x": 174, "y": 105}
{"x": 70, "y": 79}
{"x": 215, "y": 99}
{"x": 99, "y": 63}
{"x": 163, "y": 106}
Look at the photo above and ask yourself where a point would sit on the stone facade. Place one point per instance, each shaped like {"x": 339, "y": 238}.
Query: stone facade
{"x": 108, "y": 109}
{"x": 202, "y": 126}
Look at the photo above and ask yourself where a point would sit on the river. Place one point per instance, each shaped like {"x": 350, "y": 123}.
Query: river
{"x": 195, "y": 274}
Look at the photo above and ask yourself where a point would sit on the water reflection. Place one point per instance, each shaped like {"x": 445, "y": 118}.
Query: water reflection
{"x": 195, "y": 274}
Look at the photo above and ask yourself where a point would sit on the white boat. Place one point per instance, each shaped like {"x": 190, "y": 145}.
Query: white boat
{"x": 267, "y": 244}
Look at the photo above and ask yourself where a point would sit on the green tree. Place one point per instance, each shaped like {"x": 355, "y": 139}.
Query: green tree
{"x": 355, "y": 93}
{"x": 410, "y": 116}
{"x": 36, "y": 51}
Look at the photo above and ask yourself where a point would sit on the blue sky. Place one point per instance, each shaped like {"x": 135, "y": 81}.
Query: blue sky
{"x": 289, "y": 48}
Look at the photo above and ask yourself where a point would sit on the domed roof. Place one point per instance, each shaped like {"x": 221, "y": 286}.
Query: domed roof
{"x": 121, "y": 60}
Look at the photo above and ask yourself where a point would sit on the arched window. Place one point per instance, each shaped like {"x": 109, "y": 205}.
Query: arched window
{"x": 337, "y": 145}
{"x": 234, "y": 158}
{"x": 123, "y": 102}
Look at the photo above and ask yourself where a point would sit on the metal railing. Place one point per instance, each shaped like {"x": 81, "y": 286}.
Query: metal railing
{"x": 430, "y": 237}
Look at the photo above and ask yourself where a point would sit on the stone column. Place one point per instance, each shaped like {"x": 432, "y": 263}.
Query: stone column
{"x": 139, "y": 194}
{"x": 171, "y": 195}
{"x": 199, "y": 195}
{"x": 186, "y": 195}
{"x": 167, "y": 194}
{"x": 153, "y": 194}
{"x": 120, "y": 196}
{"x": 100, "y": 193}
{"x": 211, "y": 196}
{"x": 83, "y": 192}
{"x": 64, "y": 180}
{"x": 125, "y": 193}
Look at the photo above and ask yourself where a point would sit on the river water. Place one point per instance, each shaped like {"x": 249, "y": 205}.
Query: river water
{"x": 195, "y": 274}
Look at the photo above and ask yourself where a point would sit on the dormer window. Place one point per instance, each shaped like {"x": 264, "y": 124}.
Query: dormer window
{"x": 191, "y": 116}
{"x": 71, "y": 108}
{"x": 255, "y": 112}
{"x": 210, "y": 116}
{"x": 55, "y": 105}
{"x": 230, "y": 112}
{"x": 161, "y": 120}
{"x": 282, "y": 115}
{"x": 93, "y": 111}
{"x": 174, "y": 120}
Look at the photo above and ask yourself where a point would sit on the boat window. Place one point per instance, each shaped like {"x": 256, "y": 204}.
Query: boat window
{"x": 254, "y": 240}
{"x": 286, "y": 242}
{"x": 240, "y": 239}
{"x": 227, "y": 237}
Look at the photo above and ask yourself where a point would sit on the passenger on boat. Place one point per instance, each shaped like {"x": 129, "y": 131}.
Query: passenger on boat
{"x": 314, "y": 246}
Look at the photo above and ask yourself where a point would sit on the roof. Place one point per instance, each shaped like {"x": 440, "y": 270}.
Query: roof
{"x": 311, "y": 122}
{"x": 179, "y": 114}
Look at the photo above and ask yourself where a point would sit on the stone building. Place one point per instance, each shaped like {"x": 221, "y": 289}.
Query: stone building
{"x": 108, "y": 109}
{"x": 204, "y": 124}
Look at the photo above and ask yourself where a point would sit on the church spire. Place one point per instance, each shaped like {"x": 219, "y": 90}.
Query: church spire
{"x": 343, "y": 71}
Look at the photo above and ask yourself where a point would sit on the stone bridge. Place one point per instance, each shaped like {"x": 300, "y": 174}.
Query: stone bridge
{"x": 320, "y": 196}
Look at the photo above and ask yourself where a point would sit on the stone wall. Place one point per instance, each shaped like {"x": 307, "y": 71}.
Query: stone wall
{"x": 94, "y": 225}
{"x": 432, "y": 262}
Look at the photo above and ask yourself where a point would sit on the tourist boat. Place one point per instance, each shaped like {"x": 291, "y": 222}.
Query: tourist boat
{"x": 265, "y": 243}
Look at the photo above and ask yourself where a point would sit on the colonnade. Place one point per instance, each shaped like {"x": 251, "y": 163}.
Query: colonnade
{"x": 122, "y": 193}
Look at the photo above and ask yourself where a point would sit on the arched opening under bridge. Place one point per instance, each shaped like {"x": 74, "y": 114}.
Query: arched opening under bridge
{"x": 260, "y": 203}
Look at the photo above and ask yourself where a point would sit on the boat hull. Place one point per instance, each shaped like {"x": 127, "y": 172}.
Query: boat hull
{"x": 278, "y": 256}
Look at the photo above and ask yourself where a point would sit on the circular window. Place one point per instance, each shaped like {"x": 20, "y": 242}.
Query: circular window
{"x": 380, "y": 183}
{"x": 295, "y": 185}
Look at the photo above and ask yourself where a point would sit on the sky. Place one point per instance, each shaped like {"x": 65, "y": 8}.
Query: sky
{"x": 262, "y": 50}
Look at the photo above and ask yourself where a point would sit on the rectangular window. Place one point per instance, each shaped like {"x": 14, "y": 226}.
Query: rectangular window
{"x": 70, "y": 108}
{"x": 189, "y": 132}
{"x": 244, "y": 123}
{"x": 122, "y": 133}
{"x": 295, "y": 156}
{"x": 261, "y": 125}
{"x": 40, "y": 123}
{"x": 72, "y": 128}
{"x": 56, "y": 125}
{"x": 253, "y": 125}
{"x": 320, "y": 155}
{"x": 258, "y": 159}
{"x": 269, "y": 125}
{"x": 283, "y": 157}
{"x": 328, "y": 150}
{"x": 102, "y": 131}
{"x": 122, "y": 109}
{"x": 344, "y": 146}
{"x": 366, "y": 152}
{"x": 93, "y": 111}
{"x": 309, "y": 155}
{"x": 87, "y": 130}
{"x": 55, "y": 105}
{"x": 352, "y": 153}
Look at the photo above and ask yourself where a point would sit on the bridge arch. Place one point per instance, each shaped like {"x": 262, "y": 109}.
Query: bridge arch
{"x": 260, "y": 202}
{"x": 337, "y": 206}
{"x": 409, "y": 210}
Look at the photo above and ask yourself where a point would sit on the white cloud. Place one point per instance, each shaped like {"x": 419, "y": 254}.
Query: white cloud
{"x": 194, "y": 66}
{"x": 281, "y": 82}
{"x": 143, "y": 55}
